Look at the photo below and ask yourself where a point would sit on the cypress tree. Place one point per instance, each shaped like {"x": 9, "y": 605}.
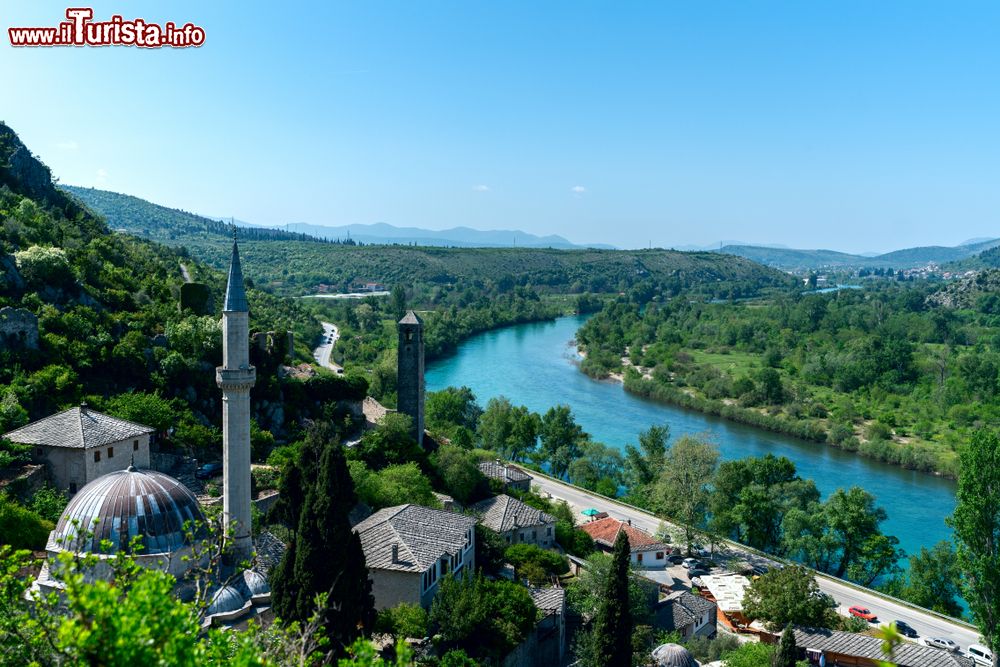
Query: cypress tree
{"x": 613, "y": 625}
{"x": 325, "y": 555}
{"x": 787, "y": 652}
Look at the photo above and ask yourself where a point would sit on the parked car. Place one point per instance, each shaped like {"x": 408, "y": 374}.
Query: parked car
{"x": 696, "y": 572}
{"x": 208, "y": 471}
{"x": 904, "y": 629}
{"x": 941, "y": 642}
{"x": 863, "y": 613}
{"x": 676, "y": 559}
{"x": 690, "y": 562}
{"x": 980, "y": 655}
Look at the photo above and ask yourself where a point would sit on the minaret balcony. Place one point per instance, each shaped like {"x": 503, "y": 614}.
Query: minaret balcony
{"x": 235, "y": 378}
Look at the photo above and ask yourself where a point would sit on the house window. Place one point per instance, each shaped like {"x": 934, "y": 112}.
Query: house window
{"x": 659, "y": 555}
{"x": 548, "y": 531}
{"x": 135, "y": 445}
{"x": 639, "y": 557}
{"x": 522, "y": 537}
{"x": 534, "y": 536}
{"x": 72, "y": 488}
{"x": 39, "y": 451}
{"x": 508, "y": 539}
{"x": 97, "y": 456}
{"x": 111, "y": 452}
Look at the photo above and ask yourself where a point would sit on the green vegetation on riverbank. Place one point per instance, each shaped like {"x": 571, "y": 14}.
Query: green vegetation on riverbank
{"x": 885, "y": 372}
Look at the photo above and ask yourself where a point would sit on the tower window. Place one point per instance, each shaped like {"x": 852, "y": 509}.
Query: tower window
{"x": 97, "y": 456}
{"x": 111, "y": 452}
{"x": 135, "y": 445}
{"x": 409, "y": 336}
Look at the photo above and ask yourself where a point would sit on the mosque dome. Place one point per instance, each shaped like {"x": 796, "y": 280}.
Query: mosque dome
{"x": 673, "y": 655}
{"x": 125, "y": 504}
{"x": 227, "y": 599}
{"x": 255, "y": 582}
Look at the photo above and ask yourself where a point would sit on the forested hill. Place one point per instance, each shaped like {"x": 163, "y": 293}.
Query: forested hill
{"x": 159, "y": 223}
{"x": 90, "y": 314}
{"x": 792, "y": 259}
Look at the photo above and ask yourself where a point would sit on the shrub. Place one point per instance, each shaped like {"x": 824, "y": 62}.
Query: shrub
{"x": 22, "y": 528}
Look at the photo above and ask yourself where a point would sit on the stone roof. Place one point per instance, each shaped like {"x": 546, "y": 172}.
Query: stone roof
{"x": 605, "y": 532}
{"x": 549, "y": 600}
{"x": 503, "y": 472}
{"x": 411, "y": 318}
{"x": 502, "y": 513}
{"x": 422, "y": 536}
{"x": 685, "y": 609}
{"x": 907, "y": 654}
{"x": 236, "y": 296}
{"x": 126, "y": 504}
{"x": 79, "y": 428}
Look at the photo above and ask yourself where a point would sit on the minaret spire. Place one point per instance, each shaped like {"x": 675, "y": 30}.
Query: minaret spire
{"x": 236, "y": 377}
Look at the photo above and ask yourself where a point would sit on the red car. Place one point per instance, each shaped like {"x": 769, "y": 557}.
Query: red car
{"x": 861, "y": 612}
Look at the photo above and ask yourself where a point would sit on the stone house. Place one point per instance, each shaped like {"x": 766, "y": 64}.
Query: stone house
{"x": 646, "y": 551}
{"x": 510, "y": 476}
{"x": 516, "y": 522}
{"x": 409, "y": 548}
{"x": 848, "y": 648}
{"x": 690, "y": 615}
{"x": 79, "y": 445}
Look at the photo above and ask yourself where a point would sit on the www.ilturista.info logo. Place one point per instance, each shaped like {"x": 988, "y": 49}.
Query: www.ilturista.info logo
{"x": 80, "y": 30}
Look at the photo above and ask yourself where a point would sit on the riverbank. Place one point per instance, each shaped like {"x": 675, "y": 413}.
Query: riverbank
{"x": 910, "y": 456}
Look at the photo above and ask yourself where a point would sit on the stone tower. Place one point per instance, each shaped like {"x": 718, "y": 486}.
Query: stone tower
{"x": 410, "y": 372}
{"x": 235, "y": 377}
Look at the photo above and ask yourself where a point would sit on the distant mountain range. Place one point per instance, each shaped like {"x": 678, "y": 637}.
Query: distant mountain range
{"x": 138, "y": 216}
{"x": 464, "y": 237}
{"x": 791, "y": 259}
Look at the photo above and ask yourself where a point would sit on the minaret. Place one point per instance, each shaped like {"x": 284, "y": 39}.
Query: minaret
{"x": 410, "y": 372}
{"x": 235, "y": 377}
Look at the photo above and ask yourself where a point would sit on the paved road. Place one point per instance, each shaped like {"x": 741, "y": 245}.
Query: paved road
{"x": 927, "y": 625}
{"x": 322, "y": 353}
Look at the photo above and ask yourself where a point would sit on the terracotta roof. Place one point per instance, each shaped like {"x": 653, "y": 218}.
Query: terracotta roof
{"x": 502, "y": 513}
{"x": 907, "y": 654}
{"x": 504, "y": 472}
{"x": 79, "y": 428}
{"x": 422, "y": 536}
{"x": 605, "y": 531}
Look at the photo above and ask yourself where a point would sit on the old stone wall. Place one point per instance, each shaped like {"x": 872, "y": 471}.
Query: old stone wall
{"x": 18, "y": 329}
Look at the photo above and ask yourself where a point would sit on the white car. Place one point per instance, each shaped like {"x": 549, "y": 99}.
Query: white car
{"x": 690, "y": 563}
{"x": 980, "y": 655}
{"x": 941, "y": 642}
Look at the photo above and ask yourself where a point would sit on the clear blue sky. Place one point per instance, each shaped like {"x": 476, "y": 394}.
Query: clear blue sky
{"x": 860, "y": 126}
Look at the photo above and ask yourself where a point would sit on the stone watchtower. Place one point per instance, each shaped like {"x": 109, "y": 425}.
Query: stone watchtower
{"x": 410, "y": 372}
{"x": 235, "y": 377}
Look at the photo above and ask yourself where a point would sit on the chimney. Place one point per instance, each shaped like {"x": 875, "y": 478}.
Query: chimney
{"x": 630, "y": 522}
{"x": 395, "y": 552}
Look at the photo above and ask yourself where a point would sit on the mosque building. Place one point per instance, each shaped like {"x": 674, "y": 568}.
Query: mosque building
{"x": 134, "y": 505}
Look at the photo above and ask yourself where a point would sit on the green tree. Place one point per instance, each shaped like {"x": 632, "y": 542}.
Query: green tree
{"x": 561, "y": 438}
{"x": 393, "y": 485}
{"x": 751, "y": 654}
{"x": 614, "y": 624}
{"x": 459, "y": 471}
{"x": 390, "y": 443}
{"x": 482, "y": 617}
{"x": 787, "y": 653}
{"x": 403, "y": 621}
{"x": 325, "y": 555}
{"x": 643, "y": 464}
{"x": 398, "y": 301}
{"x": 788, "y": 595}
{"x": 934, "y": 579}
{"x": 534, "y": 563}
{"x": 976, "y": 523}
{"x": 683, "y": 485}
{"x": 452, "y": 408}
{"x": 20, "y": 527}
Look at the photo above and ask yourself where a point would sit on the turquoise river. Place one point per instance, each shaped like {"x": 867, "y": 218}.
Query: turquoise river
{"x": 536, "y": 365}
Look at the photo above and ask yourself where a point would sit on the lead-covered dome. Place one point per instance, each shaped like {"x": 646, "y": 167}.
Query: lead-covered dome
{"x": 125, "y": 504}
{"x": 673, "y": 655}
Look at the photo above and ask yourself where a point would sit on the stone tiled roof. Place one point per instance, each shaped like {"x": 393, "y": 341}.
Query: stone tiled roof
{"x": 421, "y": 535}
{"x": 906, "y": 654}
{"x": 549, "y": 600}
{"x": 236, "y": 296}
{"x": 685, "y": 609}
{"x": 503, "y": 472}
{"x": 411, "y": 318}
{"x": 605, "y": 532}
{"x": 79, "y": 428}
{"x": 502, "y": 513}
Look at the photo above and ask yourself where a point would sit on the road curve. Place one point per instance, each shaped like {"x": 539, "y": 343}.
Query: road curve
{"x": 322, "y": 353}
{"x": 846, "y": 595}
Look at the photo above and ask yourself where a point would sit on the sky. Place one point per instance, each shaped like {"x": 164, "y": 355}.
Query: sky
{"x": 851, "y": 125}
